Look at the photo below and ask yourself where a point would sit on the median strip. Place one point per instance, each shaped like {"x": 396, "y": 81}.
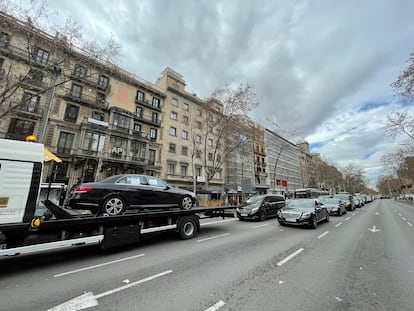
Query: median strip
{"x": 280, "y": 263}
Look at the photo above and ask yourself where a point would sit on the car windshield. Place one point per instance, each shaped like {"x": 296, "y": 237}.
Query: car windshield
{"x": 343, "y": 197}
{"x": 328, "y": 200}
{"x": 254, "y": 199}
{"x": 300, "y": 203}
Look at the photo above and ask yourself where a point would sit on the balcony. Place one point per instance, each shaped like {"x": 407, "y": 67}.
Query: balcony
{"x": 88, "y": 100}
{"x": 146, "y": 103}
{"x": 147, "y": 119}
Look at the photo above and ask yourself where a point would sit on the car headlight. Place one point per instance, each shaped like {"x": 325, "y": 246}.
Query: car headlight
{"x": 306, "y": 214}
{"x": 255, "y": 209}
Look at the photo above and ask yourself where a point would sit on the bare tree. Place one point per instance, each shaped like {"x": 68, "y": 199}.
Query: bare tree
{"x": 225, "y": 129}
{"x": 48, "y": 70}
{"x": 404, "y": 85}
{"x": 353, "y": 179}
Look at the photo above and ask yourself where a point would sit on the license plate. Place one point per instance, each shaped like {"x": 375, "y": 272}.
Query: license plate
{"x": 291, "y": 219}
{"x": 243, "y": 215}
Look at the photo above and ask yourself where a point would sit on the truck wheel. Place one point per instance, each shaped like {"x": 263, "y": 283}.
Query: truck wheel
{"x": 187, "y": 228}
{"x": 114, "y": 205}
{"x": 186, "y": 202}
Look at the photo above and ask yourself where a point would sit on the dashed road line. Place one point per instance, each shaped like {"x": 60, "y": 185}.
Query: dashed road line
{"x": 410, "y": 224}
{"x": 290, "y": 257}
{"x": 216, "y": 306}
{"x": 353, "y": 214}
{"x": 399, "y": 214}
{"x": 323, "y": 234}
{"x": 338, "y": 224}
{"x": 348, "y": 218}
{"x": 213, "y": 237}
{"x": 404, "y": 218}
{"x": 259, "y": 226}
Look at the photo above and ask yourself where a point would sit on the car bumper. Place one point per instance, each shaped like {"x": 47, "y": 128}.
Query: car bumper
{"x": 296, "y": 222}
{"x": 249, "y": 216}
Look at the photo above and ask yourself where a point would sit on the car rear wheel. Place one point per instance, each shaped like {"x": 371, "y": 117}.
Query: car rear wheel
{"x": 186, "y": 202}
{"x": 113, "y": 205}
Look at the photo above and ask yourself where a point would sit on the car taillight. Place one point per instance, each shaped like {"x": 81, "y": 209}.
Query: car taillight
{"x": 82, "y": 189}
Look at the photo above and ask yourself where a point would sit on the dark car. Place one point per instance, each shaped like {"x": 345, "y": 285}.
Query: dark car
{"x": 260, "y": 207}
{"x": 334, "y": 205}
{"x": 347, "y": 199}
{"x": 302, "y": 212}
{"x": 115, "y": 194}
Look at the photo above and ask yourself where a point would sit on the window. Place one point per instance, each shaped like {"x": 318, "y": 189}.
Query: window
{"x": 210, "y": 156}
{"x": 71, "y": 113}
{"x": 35, "y": 76}
{"x": 118, "y": 146}
{"x": 4, "y": 40}
{"x": 173, "y": 115}
{"x": 210, "y": 142}
{"x": 100, "y": 98}
{"x": 185, "y": 135}
{"x": 198, "y": 112}
{"x": 209, "y": 129}
{"x": 184, "y": 170}
{"x": 19, "y": 129}
{"x": 151, "y": 156}
{"x": 174, "y": 102}
{"x": 93, "y": 142}
{"x": 137, "y": 129}
{"x": 186, "y": 107}
{"x": 173, "y": 131}
{"x": 185, "y": 120}
{"x": 76, "y": 90}
{"x": 198, "y": 171}
{"x": 184, "y": 150}
{"x": 80, "y": 72}
{"x": 171, "y": 169}
{"x": 155, "y": 117}
{"x": 41, "y": 56}
{"x": 198, "y": 154}
{"x": 30, "y": 102}
{"x": 140, "y": 112}
{"x": 103, "y": 82}
{"x": 140, "y": 96}
{"x": 198, "y": 139}
{"x": 153, "y": 134}
{"x": 121, "y": 122}
{"x": 65, "y": 142}
{"x": 138, "y": 151}
{"x": 199, "y": 125}
{"x": 172, "y": 148}
{"x": 96, "y": 115}
{"x": 156, "y": 102}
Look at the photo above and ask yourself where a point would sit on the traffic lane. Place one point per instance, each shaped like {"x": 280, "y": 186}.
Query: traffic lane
{"x": 351, "y": 268}
{"x": 159, "y": 256}
{"x": 406, "y": 211}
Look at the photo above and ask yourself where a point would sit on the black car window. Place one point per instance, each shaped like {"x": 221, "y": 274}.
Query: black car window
{"x": 279, "y": 199}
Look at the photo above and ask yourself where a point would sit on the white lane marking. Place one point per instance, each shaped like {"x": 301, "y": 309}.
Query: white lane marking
{"x": 259, "y": 226}
{"x": 404, "y": 218}
{"x": 399, "y": 214}
{"x": 97, "y": 266}
{"x": 353, "y": 214}
{"x": 377, "y": 213}
{"x": 348, "y": 218}
{"x": 410, "y": 224}
{"x": 290, "y": 257}
{"x": 323, "y": 234}
{"x": 217, "y": 222}
{"x": 374, "y": 229}
{"x": 338, "y": 224}
{"x": 88, "y": 299}
{"x": 115, "y": 290}
{"x": 213, "y": 237}
{"x": 217, "y": 306}
{"x": 357, "y": 212}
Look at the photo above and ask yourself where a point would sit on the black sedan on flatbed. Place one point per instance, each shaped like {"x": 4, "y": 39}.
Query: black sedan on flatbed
{"x": 300, "y": 212}
{"x": 115, "y": 194}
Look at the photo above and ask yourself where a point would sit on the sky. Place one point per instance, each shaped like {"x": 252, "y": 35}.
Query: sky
{"x": 322, "y": 67}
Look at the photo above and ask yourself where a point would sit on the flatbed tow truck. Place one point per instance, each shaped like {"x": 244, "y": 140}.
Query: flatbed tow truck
{"x": 22, "y": 233}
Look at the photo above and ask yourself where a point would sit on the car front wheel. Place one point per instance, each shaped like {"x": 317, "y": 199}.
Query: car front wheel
{"x": 262, "y": 216}
{"x": 186, "y": 202}
{"x": 314, "y": 222}
{"x": 113, "y": 206}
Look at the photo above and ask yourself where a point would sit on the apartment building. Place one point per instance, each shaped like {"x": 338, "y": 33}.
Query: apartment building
{"x": 189, "y": 148}
{"x": 99, "y": 119}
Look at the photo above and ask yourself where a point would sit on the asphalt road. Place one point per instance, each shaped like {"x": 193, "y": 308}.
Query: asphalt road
{"x": 346, "y": 264}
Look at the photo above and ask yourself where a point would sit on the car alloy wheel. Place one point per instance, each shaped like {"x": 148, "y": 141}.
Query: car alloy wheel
{"x": 186, "y": 202}
{"x": 114, "y": 205}
{"x": 262, "y": 216}
{"x": 314, "y": 222}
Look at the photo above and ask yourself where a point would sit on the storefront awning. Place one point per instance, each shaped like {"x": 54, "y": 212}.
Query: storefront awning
{"x": 49, "y": 156}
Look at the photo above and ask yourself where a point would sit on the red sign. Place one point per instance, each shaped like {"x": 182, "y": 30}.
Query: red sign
{"x": 278, "y": 182}
{"x": 284, "y": 183}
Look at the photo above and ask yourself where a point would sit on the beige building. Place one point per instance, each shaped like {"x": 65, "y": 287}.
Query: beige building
{"x": 188, "y": 141}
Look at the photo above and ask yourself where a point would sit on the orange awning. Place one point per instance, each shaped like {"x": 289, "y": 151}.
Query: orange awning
{"x": 49, "y": 156}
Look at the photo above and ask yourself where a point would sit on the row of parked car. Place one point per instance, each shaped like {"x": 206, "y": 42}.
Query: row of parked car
{"x": 299, "y": 212}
